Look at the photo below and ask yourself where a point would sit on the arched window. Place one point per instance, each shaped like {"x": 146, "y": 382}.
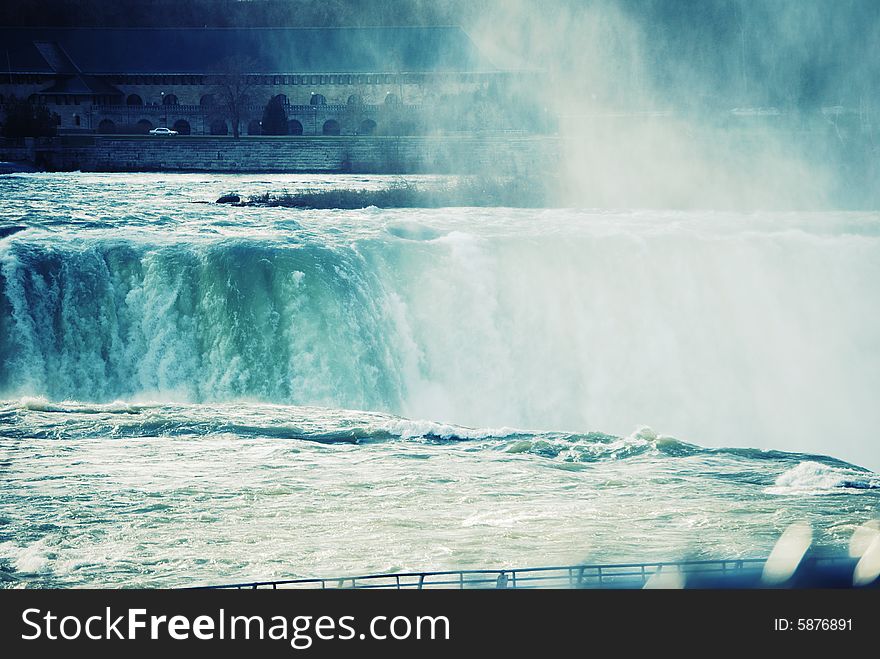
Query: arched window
{"x": 207, "y": 101}
{"x": 134, "y": 99}
{"x": 106, "y": 127}
{"x": 281, "y": 98}
{"x": 169, "y": 99}
{"x": 254, "y": 127}
{"x": 294, "y": 127}
{"x": 182, "y": 126}
{"x": 143, "y": 126}
{"x": 392, "y": 99}
{"x": 367, "y": 127}
{"x": 317, "y": 99}
{"x": 331, "y": 127}
{"x": 275, "y": 117}
{"x": 354, "y": 99}
{"x": 219, "y": 127}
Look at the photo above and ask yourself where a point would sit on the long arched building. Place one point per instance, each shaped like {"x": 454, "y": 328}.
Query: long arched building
{"x": 329, "y": 80}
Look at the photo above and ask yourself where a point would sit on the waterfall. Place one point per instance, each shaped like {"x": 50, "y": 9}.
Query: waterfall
{"x": 739, "y": 330}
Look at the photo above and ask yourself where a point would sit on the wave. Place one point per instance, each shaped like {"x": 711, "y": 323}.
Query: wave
{"x": 43, "y": 419}
{"x": 815, "y": 478}
{"x": 39, "y": 418}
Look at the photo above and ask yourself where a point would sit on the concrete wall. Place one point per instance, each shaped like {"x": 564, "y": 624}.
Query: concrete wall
{"x": 496, "y": 154}
{"x": 21, "y": 150}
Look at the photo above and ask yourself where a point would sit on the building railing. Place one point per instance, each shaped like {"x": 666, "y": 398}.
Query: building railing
{"x": 331, "y": 108}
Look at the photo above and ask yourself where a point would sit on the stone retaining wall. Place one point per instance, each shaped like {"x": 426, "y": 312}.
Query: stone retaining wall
{"x": 496, "y": 154}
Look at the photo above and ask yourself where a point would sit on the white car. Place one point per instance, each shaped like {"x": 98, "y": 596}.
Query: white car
{"x": 163, "y": 131}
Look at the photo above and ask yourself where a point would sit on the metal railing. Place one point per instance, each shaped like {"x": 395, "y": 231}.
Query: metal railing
{"x": 620, "y": 575}
{"x": 254, "y": 108}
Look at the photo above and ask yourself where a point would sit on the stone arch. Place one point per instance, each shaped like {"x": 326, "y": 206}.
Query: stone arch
{"x": 143, "y": 126}
{"x": 134, "y": 99}
{"x": 354, "y": 99}
{"x": 331, "y": 127}
{"x": 294, "y": 127}
{"x": 182, "y": 126}
{"x": 169, "y": 99}
{"x": 367, "y": 127}
{"x": 318, "y": 99}
{"x": 207, "y": 101}
{"x": 255, "y": 127}
{"x": 219, "y": 127}
{"x": 106, "y": 127}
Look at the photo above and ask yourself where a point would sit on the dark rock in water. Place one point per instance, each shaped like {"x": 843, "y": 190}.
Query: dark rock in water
{"x": 229, "y": 199}
{"x": 7, "y": 231}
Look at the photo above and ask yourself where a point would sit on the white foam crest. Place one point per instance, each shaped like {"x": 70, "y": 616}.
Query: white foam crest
{"x": 410, "y": 429}
{"x": 816, "y": 478}
{"x": 42, "y": 404}
{"x": 31, "y": 558}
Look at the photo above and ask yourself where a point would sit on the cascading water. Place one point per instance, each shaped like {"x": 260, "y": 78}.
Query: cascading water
{"x": 754, "y": 331}
{"x": 199, "y": 338}
{"x": 98, "y": 320}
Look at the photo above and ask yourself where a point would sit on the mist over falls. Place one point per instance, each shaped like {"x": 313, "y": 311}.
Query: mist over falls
{"x": 728, "y": 330}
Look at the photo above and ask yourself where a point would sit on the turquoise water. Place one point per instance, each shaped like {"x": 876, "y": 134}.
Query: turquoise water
{"x": 195, "y": 393}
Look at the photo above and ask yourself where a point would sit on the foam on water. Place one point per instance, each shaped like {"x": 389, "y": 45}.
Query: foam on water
{"x": 157, "y": 494}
